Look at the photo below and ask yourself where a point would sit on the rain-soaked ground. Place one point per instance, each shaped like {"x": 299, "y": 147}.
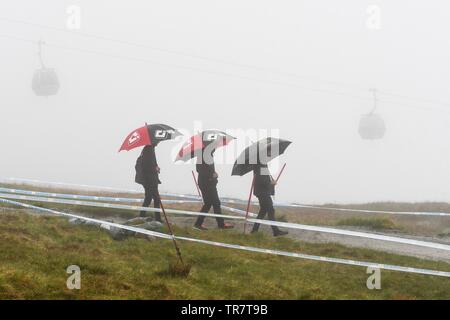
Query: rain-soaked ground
{"x": 320, "y": 237}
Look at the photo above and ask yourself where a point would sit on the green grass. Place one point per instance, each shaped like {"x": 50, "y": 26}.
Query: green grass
{"x": 370, "y": 223}
{"x": 36, "y": 250}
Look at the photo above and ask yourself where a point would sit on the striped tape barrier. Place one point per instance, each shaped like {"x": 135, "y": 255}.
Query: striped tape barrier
{"x": 343, "y": 232}
{"x": 235, "y": 210}
{"x": 240, "y": 247}
{"x": 92, "y": 187}
{"x": 103, "y": 198}
{"x": 86, "y": 197}
{"x": 240, "y": 202}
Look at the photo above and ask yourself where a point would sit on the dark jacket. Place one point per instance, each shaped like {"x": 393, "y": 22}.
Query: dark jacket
{"x": 263, "y": 182}
{"x": 205, "y": 175}
{"x": 206, "y": 169}
{"x": 149, "y": 166}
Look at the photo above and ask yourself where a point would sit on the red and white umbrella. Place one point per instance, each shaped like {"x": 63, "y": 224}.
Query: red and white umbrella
{"x": 149, "y": 134}
{"x": 211, "y": 139}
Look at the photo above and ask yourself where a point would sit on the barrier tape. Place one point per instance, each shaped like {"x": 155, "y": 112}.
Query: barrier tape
{"x": 239, "y": 247}
{"x": 239, "y": 211}
{"x": 103, "y": 198}
{"x": 111, "y": 206}
{"x": 86, "y": 197}
{"x": 407, "y": 241}
{"x": 415, "y": 213}
{"x": 241, "y": 202}
{"x": 100, "y": 222}
{"x": 95, "y": 187}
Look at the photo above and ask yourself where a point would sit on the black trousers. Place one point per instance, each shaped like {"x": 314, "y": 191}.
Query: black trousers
{"x": 151, "y": 193}
{"x": 210, "y": 199}
{"x": 266, "y": 207}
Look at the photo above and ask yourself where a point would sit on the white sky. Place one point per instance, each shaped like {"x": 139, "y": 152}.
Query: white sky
{"x": 74, "y": 136}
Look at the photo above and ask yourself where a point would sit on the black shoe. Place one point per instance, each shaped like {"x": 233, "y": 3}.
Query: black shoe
{"x": 200, "y": 228}
{"x": 253, "y": 231}
{"x": 280, "y": 233}
{"x": 226, "y": 226}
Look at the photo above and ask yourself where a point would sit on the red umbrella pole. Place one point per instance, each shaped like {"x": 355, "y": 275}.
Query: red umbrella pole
{"x": 196, "y": 184}
{"x": 281, "y": 172}
{"x": 249, "y": 202}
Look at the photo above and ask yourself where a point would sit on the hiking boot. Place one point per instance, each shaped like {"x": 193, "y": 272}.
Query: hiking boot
{"x": 280, "y": 233}
{"x": 226, "y": 226}
{"x": 200, "y": 228}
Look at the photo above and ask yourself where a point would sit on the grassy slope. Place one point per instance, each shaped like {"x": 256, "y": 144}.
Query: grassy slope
{"x": 36, "y": 250}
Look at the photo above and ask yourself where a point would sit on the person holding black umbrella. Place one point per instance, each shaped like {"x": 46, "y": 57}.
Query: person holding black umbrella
{"x": 264, "y": 189}
{"x": 255, "y": 158}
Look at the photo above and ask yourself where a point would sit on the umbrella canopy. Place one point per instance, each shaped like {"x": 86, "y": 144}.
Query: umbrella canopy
{"x": 208, "y": 140}
{"x": 149, "y": 135}
{"x": 261, "y": 152}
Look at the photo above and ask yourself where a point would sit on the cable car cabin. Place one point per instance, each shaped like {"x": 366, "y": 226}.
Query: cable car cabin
{"x": 371, "y": 127}
{"x": 45, "y": 82}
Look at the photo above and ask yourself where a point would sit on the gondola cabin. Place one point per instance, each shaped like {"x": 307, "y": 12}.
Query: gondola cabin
{"x": 371, "y": 127}
{"x": 45, "y": 82}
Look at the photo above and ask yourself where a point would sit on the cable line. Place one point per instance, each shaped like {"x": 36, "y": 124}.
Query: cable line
{"x": 219, "y": 73}
{"x": 222, "y": 61}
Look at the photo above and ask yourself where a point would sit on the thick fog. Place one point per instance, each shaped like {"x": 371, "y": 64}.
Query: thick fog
{"x": 300, "y": 70}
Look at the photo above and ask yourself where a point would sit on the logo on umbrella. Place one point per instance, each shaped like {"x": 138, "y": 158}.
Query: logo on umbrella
{"x": 211, "y": 137}
{"x": 134, "y": 137}
{"x": 163, "y": 133}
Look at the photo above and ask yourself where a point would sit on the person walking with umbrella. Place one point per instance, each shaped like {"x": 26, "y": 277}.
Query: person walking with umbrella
{"x": 150, "y": 136}
{"x": 203, "y": 147}
{"x": 256, "y": 158}
{"x": 147, "y": 174}
{"x": 264, "y": 189}
{"x": 147, "y": 169}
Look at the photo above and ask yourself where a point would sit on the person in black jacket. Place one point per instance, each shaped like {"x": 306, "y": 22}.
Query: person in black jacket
{"x": 207, "y": 182}
{"x": 264, "y": 189}
{"x": 150, "y": 172}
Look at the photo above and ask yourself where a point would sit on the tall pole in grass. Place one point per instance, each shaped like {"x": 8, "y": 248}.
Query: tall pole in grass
{"x": 249, "y": 202}
{"x": 177, "y": 249}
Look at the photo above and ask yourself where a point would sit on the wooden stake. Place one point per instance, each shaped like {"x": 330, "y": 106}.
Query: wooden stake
{"x": 171, "y": 231}
{"x": 249, "y": 202}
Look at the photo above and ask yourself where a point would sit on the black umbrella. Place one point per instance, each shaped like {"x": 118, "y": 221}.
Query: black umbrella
{"x": 261, "y": 152}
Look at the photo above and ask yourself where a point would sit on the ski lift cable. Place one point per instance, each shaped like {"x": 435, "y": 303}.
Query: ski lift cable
{"x": 220, "y": 73}
{"x": 182, "y": 53}
{"x": 375, "y": 100}
{"x": 220, "y": 61}
{"x": 40, "y": 43}
{"x": 446, "y": 104}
